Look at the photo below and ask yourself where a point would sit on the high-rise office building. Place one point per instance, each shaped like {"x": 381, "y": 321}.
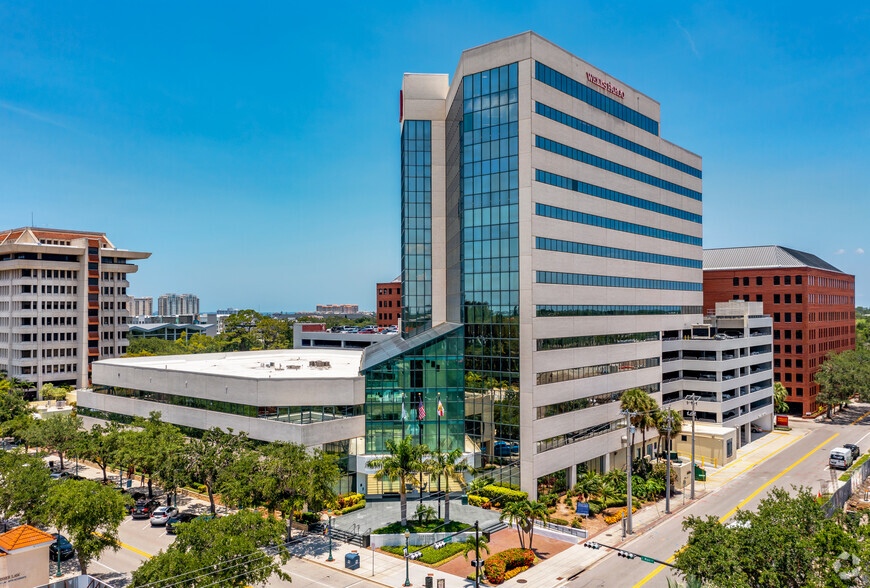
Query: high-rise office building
{"x": 173, "y": 304}
{"x": 63, "y": 303}
{"x": 143, "y": 306}
{"x": 811, "y": 301}
{"x": 549, "y": 236}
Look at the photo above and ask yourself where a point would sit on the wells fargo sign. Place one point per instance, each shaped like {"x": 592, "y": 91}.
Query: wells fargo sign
{"x": 606, "y": 86}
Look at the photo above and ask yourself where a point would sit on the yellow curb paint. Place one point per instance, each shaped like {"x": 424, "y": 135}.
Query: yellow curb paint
{"x": 671, "y": 559}
{"x": 860, "y": 418}
{"x": 131, "y": 548}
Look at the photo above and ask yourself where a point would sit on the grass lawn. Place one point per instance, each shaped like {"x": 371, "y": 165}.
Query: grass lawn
{"x": 415, "y": 527}
{"x": 430, "y": 556}
{"x": 855, "y": 466}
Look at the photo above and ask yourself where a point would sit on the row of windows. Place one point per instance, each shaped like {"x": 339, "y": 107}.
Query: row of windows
{"x": 590, "y": 371}
{"x": 613, "y": 167}
{"x": 291, "y": 414}
{"x": 611, "y": 310}
{"x": 613, "y": 196}
{"x": 614, "y": 281}
{"x": 550, "y": 410}
{"x": 576, "y": 436}
{"x": 585, "y": 127}
{"x": 595, "y": 340}
{"x": 613, "y": 224}
{"x": 613, "y": 252}
{"x": 490, "y": 81}
{"x": 582, "y": 92}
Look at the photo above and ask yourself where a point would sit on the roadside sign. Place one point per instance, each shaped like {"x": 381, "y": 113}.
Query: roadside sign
{"x": 477, "y": 563}
{"x": 647, "y": 559}
{"x": 405, "y": 549}
{"x": 448, "y": 539}
{"x": 583, "y": 509}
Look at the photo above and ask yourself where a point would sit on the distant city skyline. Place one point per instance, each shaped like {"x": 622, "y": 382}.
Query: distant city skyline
{"x": 263, "y": 173}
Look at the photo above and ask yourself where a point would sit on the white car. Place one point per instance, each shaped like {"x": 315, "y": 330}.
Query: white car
{"x": 162, "y": 514}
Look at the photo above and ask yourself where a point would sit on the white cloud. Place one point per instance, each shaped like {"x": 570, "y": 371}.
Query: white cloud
{"x": 859, "y": 251}
{"x": 688, "y": 38}
{"x": 839, "y": 252}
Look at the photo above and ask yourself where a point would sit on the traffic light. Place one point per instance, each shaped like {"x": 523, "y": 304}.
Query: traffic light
{"x": 592, "y": 545}
{"x": 438, "y": 545}
{"x": 625, "y": 554}
{"x": 415, "y": 554}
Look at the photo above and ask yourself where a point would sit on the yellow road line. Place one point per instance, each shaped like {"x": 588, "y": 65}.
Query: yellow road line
{"x": 671, "y": 559}
{"x": 130, "y": 547}
{"x": 860, "y": 418}
{"x": 742, "y": 457}
{"x": 743, "y": 471}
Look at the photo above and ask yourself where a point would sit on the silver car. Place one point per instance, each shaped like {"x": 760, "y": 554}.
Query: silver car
{"x": 162, "y": 514}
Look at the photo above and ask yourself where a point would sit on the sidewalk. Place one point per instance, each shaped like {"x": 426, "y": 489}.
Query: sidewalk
{"x": 752, "y": 454}
{"x": 388, "y": 570}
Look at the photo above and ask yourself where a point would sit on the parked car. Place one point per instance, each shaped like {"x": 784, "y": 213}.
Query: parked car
{"x": 66, "y": 548}
{"x": 856, "y": 451}
{"x": 840, "y": 458}
{"x": 65, "y": 476}
{"x": 178, "y": 519}
{"x": 162, "y": 514}
{"x": 144, "y": 508}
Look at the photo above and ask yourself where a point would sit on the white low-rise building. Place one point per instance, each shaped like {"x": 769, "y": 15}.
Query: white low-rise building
{"x": 726, "y": 363}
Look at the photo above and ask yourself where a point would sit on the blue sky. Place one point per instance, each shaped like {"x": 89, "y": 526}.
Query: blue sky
{"x": 253, "y": 147}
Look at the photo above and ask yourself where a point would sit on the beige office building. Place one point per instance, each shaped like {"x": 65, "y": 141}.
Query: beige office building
{"x": 63, "y": 303}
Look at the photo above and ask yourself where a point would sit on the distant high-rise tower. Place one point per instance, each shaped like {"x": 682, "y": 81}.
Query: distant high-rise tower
{"x": 143, "y": 306}
{"x": 174, "y": 304}
{"x": 63, "y": 303}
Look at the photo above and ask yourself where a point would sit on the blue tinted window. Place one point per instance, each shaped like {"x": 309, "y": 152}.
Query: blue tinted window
{"x": 614, "y": 281}
{"x": 555, "y": 310}
{"x": 416, "y": 226}
{"x": 613, "y": 224}
{"x": 611, "y": 166}
{"x": 585, "y": 127}
{"x": 599, "y": 192}
{"x": 582, "y": 92}
{"x": 601, "y": 251}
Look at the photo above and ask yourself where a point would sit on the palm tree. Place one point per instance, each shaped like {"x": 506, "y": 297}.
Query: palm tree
{"x": 446, "y": 465}
{"x": 779, "y": 395}
{"x": 587, "y": 485}
{"x": 404, "y": 461}
{"x": 515, "y": 514}
{"x": 645, "y": 409}
{"x": 676, "y": 424}
{"x": 607, "y": 492}
{"x": 535, "y": 511}
{"x": 477, "y": 545}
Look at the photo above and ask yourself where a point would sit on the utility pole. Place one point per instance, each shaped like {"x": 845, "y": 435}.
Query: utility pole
{"x": 670, "y": 420}
{"x": 694, "y": 400}
{"x": 628, "y": 449}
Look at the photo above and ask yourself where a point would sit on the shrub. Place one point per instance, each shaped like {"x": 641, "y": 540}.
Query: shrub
{"x": 511, "y": 573}
{"x": 343, "y": 501}
{"x": 506, "y": 485}
{"x": 551, "y": 509}
{"x": 558, "y": 521}
{"x": 619, "y": 515}
{"x": 569, "y": 503}
{"x": 429, "y": 556}
{"x": 357, "y": 506}
{"x": 496, "y": 567}
{"x": 499, "y": 495}
{"x": 595, "y": 507}
{"x": 549, "y": 499}
{"x": 475, "y": 500}
{"x": 306, "y": 518}
{"x": 576, "y": 524}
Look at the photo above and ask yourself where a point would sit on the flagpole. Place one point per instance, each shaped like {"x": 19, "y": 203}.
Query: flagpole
{"x": 402, "y": 436}
{"x": 420, "y": 435}
{"x": 438, "y": 432}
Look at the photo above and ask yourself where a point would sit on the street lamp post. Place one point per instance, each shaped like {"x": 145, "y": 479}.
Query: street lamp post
{"x": 407, "y": 553}
{"x": 59, "y": 574}
{"x": 476, "y": 554}
{"x": 670, "y": 419}
{"x": 330, "y": 558}
{"x": 694, "y": 400}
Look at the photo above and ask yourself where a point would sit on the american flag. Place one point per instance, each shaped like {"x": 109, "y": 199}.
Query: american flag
{"x": 421, "y": 412}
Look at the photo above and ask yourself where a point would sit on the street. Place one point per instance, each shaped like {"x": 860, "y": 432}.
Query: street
{"x": 803, "y": 463}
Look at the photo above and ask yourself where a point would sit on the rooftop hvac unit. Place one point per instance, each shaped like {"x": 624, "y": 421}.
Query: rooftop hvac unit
{"x": 317, "y": 363}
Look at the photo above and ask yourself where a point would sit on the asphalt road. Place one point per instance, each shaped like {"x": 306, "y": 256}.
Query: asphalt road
{"x": 803, "y": 463}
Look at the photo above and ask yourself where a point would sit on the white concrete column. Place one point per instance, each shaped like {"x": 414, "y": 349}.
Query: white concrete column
{"x": 572, "y": 476}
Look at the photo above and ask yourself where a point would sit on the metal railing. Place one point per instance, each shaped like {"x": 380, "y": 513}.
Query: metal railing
{"x": 582, "y": 533}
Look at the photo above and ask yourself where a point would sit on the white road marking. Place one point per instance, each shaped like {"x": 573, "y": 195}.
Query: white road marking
{"x": 148, "y": 526}
{"x": 108, "y": 568}
{"x": 858, "y": 442}
{"x": 304, "y": 577}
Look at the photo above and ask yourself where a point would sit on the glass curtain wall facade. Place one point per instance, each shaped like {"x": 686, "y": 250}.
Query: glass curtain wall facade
{"x": 431, "y": 372}
{"x": 489, "y": 261}
{"x": 416, "y": 226}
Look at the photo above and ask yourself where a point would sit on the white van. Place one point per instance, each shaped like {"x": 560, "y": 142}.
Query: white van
{"x": 840, "y": 458}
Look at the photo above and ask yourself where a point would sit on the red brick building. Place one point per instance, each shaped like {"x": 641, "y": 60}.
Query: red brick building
{"x": 389, "y": 302}
{"x": 812, "y": 304}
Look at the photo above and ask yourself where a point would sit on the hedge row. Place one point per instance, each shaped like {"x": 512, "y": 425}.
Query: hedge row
{"x": 495, "y": 568}
{"x": 357, "y": 506}
{"x": 498, "y": 495}
{"x": 429, "y": 556}
{"x": 475, "y": 500}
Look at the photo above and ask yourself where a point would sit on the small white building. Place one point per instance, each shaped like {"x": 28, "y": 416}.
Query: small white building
{"x": 726, "y": 363}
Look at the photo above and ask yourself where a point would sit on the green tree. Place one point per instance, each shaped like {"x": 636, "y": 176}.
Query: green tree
{"x": 779, "y": 395}
{"x": 15, "y": 413}
{"x": 444, "y": 466}
{"x": 842, "y": 376}
{"x": 235, "y": 550}
{"x": 668, "y": 422}
{"x": 60, "y": 433}
{"x": 51, "y": 392}
{"x": 645, "y": 409}
{"x": 587, "y": 485}
{"x": 514, "y": 514}
{"x": 535, "y": 511}
{"x": 476, "y": 545}
{"x": 403, "y": 462}
{"x": 89, "y": 514}
{"x": 101, "y": 445}
{"x": 148, "y": 444}
{"x": 24, "y": 484}
{"x": 213, "y": 454}
{"x": 324, "y": 474}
